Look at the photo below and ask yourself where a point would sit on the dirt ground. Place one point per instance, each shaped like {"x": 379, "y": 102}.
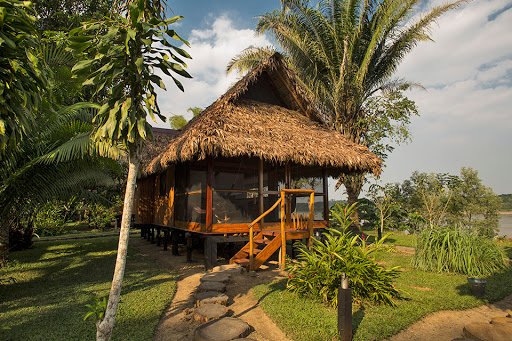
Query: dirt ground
{"x": 175, "y": 324}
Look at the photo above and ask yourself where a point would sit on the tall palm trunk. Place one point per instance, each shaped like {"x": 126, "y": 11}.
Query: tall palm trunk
{"x": 353, "y": 184}
{"x": 106, "y": 324}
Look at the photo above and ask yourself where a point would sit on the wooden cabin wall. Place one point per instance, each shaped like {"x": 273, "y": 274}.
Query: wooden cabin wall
{"x": 144, "y": 200}
{"x": 164, "y": 197}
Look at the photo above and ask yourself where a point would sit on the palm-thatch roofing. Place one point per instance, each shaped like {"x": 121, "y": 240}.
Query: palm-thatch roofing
{"x": 265, "y": 115}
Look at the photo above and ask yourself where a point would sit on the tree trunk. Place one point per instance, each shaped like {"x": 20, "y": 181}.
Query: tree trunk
{"x": 4, "y": 240}
{"x": 353, "y": 184}
{"x": 106, "y": 324}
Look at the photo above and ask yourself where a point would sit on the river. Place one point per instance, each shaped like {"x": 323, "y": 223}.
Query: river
{"x": 505, "y": 225}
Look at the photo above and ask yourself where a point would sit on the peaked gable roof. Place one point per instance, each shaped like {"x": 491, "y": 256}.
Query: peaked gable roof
{"x": 265, "y": 114}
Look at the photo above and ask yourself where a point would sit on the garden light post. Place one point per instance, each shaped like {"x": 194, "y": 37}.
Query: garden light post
{"x": 344, "y": 310}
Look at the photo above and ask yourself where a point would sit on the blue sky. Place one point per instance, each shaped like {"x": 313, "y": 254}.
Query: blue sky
{"x": 465, "y": 112}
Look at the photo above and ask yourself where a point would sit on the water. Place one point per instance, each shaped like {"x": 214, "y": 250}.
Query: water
{"x": 505, "y": 225}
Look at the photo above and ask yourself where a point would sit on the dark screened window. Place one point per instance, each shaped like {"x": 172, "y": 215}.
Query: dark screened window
{"x": 235, "y": 190}
{"x": 163, "y": 184}
{"x": 190, "y": 200}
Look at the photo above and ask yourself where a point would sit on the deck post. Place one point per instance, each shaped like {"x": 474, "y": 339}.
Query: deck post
{"x": 311, "y": 218}
{"x": 326, "y": 195}
{"x": 188, "y": 237}
{"x": 283, "y": 232}
{"x": 209, "y": 196}
{"x": 166, "y": 238}
{"x": 260, "y": 192}
{"x": 174, "y": 237}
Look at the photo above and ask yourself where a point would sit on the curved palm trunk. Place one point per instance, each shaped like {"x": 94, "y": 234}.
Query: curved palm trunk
{"x": 106, "y": 324}
{"x": 353, "y": 184}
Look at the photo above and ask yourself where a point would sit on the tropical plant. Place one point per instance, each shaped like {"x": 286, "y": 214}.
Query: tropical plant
{"x": 345, "y": 53}
{"x": 57, "y": 159}
{"x": 318, "y": 271}
{"x": 123, "y": 50}
{"x": 458, "y": 250}
{"x": 22, "y": 79}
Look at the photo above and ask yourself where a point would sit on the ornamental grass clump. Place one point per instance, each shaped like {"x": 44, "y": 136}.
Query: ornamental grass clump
{"x": 455, "y": 250}
{"x": 317, "y": 271}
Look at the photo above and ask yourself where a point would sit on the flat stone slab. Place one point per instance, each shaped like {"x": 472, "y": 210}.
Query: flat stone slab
{"x": 223, "y": 329}
{"x": 488, "y": 332}
{"x": 211, "y": 297}
{"x": 222, "y": 277}
{"x": 501, "y": 320}
{"x": 233, "y": 269}
{"x": 208, "y": 312}
{"x": 211, "y": 286}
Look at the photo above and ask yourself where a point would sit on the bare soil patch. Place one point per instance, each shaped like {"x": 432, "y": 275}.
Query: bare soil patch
{"x": 448, "y": 325}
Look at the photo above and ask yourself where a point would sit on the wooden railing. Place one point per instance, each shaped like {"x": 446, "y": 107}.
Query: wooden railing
{"x": 251, "y": 232}
{"x": 297, "y": 223}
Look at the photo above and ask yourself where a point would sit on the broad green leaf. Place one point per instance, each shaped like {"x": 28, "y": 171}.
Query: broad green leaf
{"x": 82, "y": 64}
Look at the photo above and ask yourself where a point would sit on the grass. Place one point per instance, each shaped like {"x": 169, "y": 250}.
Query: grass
{"x": 44, "y": 290}
{"x": 423, "y": 293}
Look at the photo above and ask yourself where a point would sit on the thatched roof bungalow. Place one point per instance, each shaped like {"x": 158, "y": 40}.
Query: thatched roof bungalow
{"x": 228, "y": 165}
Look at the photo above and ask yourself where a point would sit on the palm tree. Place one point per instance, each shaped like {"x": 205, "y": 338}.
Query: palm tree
{"x": 345, "y": 53}
{"x": 57, "y": 158}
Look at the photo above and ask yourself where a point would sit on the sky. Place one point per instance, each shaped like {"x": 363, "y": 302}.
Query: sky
{"x": 465, "y": 110}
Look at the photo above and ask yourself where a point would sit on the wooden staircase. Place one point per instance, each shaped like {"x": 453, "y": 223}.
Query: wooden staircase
{"x": 265, "y": 245}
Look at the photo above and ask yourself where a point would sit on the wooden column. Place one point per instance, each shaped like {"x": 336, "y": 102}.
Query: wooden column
{"x": 260, "y": 191}
{"x": 288, "y": 198}
{"x": 326, "y": 195}
{"x": 209, "y": 195}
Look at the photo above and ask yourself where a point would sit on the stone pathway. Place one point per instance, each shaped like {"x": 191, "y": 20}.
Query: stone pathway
{"x": 216, "y": 326}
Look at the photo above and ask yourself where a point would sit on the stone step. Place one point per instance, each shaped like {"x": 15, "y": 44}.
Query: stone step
{"x": 232, "y": 269}
{"x": 208, "y": 312}
{"x": 211, "y": 286}
{"x": 223, "y": 329}
{"x": 209, "y": 297}
{"x": 221, "y": 277}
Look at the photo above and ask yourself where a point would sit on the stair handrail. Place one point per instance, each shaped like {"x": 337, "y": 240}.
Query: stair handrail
{"x": 251, "y": 232}
{"x": 281, "y": 201}
{"x": 285, "y": 191}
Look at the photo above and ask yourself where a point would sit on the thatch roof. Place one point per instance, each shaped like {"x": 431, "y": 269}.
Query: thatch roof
{"x": 265, "y": 115}
{"x": 152, "y": 148}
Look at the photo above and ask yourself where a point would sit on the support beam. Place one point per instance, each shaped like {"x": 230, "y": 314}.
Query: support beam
{"x": 260, "y": 191}
{"x": 209, "y": 196}
{"x": 326, "y": 194}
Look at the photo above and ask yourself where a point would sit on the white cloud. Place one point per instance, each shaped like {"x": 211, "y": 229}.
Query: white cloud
{"x": 466, "y": 112}
{"x": 211, "y": 50}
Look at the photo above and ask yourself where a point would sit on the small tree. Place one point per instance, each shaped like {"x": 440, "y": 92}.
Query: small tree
{"x": 179, "y": 121}
{"x": 124, "y": 49}
{"x": 382, "y": 197}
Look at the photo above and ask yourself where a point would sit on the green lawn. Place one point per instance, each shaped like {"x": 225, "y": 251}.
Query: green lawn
{"x": 43, "y": 291}
{"x": 423, "y": 293}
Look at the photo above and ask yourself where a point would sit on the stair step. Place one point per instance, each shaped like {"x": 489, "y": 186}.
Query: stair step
{"x": 262, "y": 241}
{"x": 241, "y": 261}
{"x": 270, "y": 233}
{"x": 255, "y": 251}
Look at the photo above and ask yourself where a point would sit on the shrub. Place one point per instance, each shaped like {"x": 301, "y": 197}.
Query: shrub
{"x": 458, "y": 250}
{"x": 49, "y": 220}
{"x": 318, "y": 271}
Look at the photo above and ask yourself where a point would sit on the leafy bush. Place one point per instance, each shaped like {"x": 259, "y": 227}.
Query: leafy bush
{"x": 49, "y": 220}
{"x": 318, "y": 271}
{"x": 100, "y": 216}
{"x": 458, "y": 250}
